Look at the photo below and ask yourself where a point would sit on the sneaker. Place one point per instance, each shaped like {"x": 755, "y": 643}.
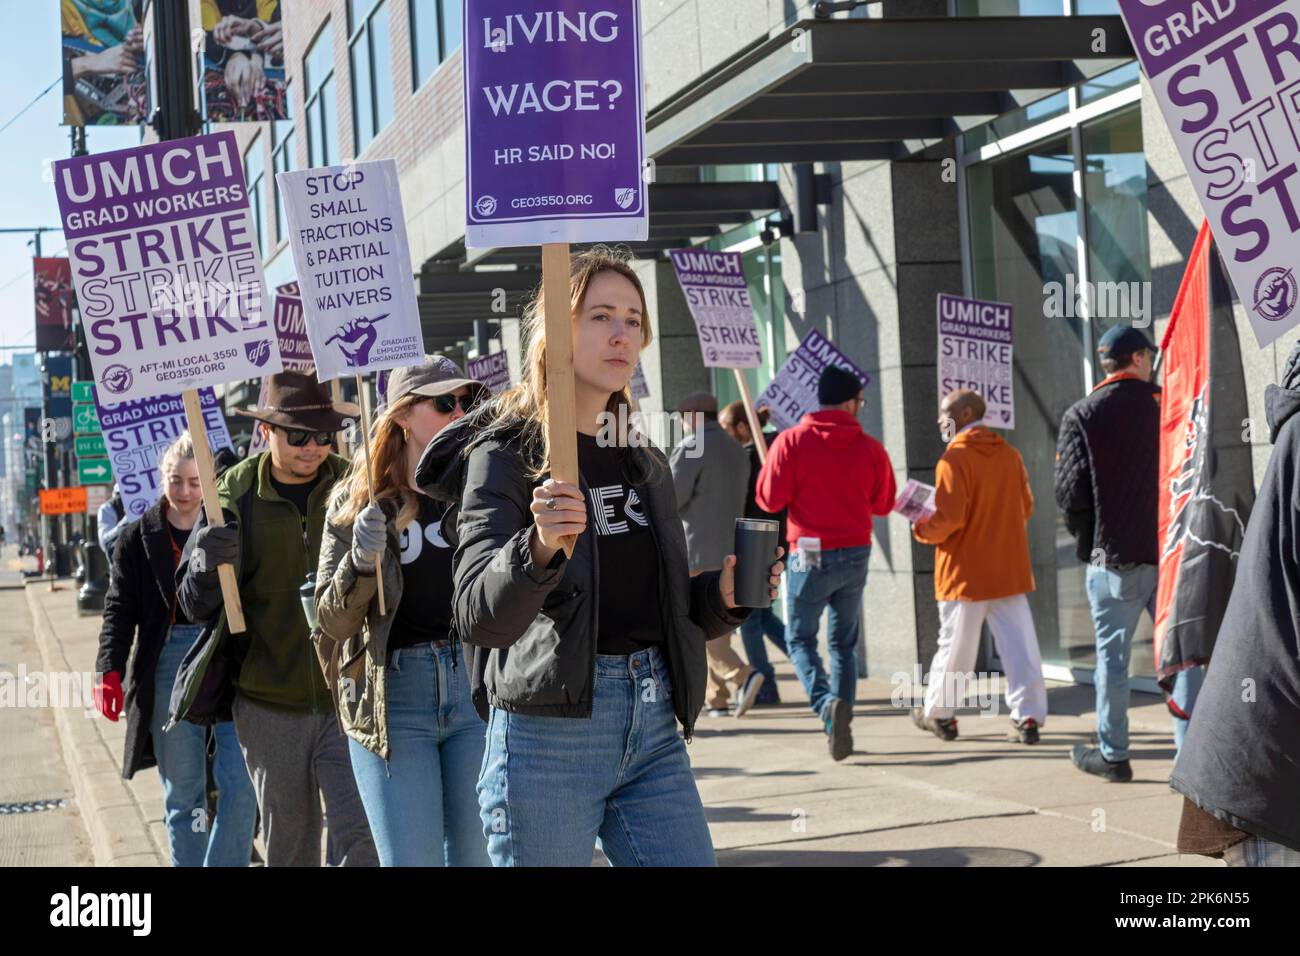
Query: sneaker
{"x": 839, "y": 713}
{"x": 719, "y": 712}
{"x": 1025, "y": 731}
{"x": 1090, "y": 760}
{"x": 768, "y": 695}
{"x": 943, "y": 729}
{"x": 748, "y": 691}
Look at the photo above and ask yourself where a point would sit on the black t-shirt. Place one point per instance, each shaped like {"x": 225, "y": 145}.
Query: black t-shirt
{"x": 629, "y": 561}
{"x": 179, "y": 537}
{"x": 424, "y": 613}
{"x": 298, "y": 494}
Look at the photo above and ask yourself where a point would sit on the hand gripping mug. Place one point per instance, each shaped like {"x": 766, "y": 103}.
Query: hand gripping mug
{"x": 756, "y": 544}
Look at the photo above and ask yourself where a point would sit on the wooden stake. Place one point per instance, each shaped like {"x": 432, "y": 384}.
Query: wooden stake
{"x": 336, "y": 395}
{"x": 370, "y": 483}
{"x": 211, "y": 506}
{"x": 561, "y": 400}
{"x": 755, "y": 428}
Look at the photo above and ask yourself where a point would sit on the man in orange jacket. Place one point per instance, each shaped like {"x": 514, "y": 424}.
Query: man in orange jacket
{"x": 981, "y": 570}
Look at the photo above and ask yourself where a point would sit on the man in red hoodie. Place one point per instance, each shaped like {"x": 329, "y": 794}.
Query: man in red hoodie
{"x": 832, "y": 476}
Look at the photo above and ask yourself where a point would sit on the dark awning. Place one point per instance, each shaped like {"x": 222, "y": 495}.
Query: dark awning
{"x": 839, "y": 90}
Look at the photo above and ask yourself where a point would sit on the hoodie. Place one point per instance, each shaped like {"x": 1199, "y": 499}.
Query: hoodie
{"x": 1240, "y": 761}
{"x": 982, "y": 504}
{"x": 831, "y": 475}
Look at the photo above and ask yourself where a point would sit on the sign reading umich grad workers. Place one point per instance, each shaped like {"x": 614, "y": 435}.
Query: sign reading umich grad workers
{"x": 165, "y": 261}
{"x": 555, "y": 122}
{"x": 718, "y": 297}
{"x": 793, "y": 393}
{"x": 975, "y": 347}
{"x": 1226, "y": 74}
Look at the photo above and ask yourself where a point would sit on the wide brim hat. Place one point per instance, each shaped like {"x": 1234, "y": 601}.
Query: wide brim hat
{"x": 298, "y": 400}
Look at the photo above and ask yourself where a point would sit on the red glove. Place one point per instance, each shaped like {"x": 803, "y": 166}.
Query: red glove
{"x": 108, "y": 695}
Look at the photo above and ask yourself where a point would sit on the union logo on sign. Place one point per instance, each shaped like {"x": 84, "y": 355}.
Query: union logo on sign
{"x": 486, "y": 205}
{"x": 257, "y": 352}
{"x": 1275, "y": 293}
{"x": 625, "y": 197}
{"x": 117, "y": 379}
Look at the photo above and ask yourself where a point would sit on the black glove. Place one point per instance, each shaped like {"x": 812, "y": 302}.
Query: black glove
{"x": 215, "y": 546}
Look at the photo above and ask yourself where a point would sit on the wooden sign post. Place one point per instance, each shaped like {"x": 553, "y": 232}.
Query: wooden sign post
{"x": 561, "y": 399}
{"x": 211, "y": 506}
{"x": 370, "y": 482}
{"x": 755, "y": 428}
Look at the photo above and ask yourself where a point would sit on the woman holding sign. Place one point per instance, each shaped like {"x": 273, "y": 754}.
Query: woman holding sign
{"x": 588, "y": 662}
{"x": 414, "y": 738}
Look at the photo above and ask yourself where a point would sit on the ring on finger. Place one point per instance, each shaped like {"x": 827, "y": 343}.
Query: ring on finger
{"x": 550, "y": 504}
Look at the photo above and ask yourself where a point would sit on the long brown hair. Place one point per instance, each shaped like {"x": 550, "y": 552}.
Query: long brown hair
{"x": 525, "y": 404}
{"x": 388, "y": 467}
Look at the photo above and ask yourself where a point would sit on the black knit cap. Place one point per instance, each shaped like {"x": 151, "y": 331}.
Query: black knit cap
{"x": 837, "y": 385}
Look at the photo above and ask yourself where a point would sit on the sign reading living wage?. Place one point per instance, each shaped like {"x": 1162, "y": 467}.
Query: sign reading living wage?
{"x": 975, "y": 343}
{"x": 166, "y": 265}
{"x": 348, "y": 237}
{"x": 793, "y": 393}
{"x": 718, "y": 296}
{"x": 1225, "y": 75}
{"x": 554, "y": 122}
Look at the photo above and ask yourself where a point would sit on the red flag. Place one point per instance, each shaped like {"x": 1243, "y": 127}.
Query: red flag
{"x": 1206, "y": 482}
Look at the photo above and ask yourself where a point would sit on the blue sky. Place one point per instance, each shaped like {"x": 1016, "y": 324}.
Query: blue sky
{"x": 29, "y": 62}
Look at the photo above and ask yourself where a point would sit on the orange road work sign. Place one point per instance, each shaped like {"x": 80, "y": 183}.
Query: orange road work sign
{"x": 63, "y": 501}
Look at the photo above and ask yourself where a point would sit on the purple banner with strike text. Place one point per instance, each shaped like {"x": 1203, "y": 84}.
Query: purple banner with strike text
{"x": 974, "y": 352}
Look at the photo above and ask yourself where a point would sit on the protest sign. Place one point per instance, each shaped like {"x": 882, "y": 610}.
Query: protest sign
{"x": 492, "y": 370}
{"x": 348, "y": 237}
{"x": 137, "y": 432}
{"x": 295, "y": 350}
{"x": 793, "y": 392}
{"x": 640, "y": 387}
{"x": 166, "y": 265}
{"x": 718, "y": 297}
{"x": 554, "y": 123}
{"x": 1225, "y": 73}
{"x": 975, "y": 344}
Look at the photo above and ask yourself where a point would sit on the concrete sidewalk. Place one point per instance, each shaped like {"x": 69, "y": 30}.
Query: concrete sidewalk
{"x": 772, "y": 793}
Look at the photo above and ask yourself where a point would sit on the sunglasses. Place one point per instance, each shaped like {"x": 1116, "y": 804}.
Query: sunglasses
{"x": 299, "y": 438}
{"x": 447, "y": 403}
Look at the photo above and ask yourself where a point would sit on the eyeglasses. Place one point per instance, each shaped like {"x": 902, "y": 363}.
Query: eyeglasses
{"x": 299, "y": 438}
{"x": 447, "y": 403}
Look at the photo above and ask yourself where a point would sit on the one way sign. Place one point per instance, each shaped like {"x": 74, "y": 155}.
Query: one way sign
{"x": 94, "y": 471}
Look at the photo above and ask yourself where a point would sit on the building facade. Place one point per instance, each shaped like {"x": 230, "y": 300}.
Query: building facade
{"x": 857, "y": 185}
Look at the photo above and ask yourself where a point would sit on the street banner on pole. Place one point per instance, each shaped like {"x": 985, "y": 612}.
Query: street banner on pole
{"x": 793, "y": 393}
{"x": 166, "y": 265}
{"x": 492, "y": 370}
{"x": 1224, "y": 73}
{"x": 243, "y": 62}
{"x": 136, "y": 433}
{"x": 975, "y": 343}
{"x": 718, "y": 296}
{"x": 554, "y": 123}
{"x": 104, "y": 62}
{"x": 53, "y": 287}
{"x": 348, "y": 237}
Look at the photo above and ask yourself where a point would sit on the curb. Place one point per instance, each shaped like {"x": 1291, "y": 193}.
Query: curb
{"x": 114, "y": 821}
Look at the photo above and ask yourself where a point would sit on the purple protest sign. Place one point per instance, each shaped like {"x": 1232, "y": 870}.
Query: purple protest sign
{"x": 554, "y": 122}
{"x": 137, "y": 432}
{"x": 793, "y": 393}
{"x": 1225, "y": 75}
{"x": 492, "y": 370}
{"x": 718, "y": 296}
{"x": 291, "y": 330}
{"x": 640, "y": 387}
{"x": 165, "y": 261}
{"x": 975, "y": 343}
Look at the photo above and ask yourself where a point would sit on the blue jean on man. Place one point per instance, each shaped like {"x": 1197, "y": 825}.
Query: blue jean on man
{"x": 421, "y": 802}
{"x": 762, "y": 622}
{"x": 1117, "y": 598}
{"x": 838, "y": 584}
{"x": 550, "y": 787}
{"x": 182, "y": 755}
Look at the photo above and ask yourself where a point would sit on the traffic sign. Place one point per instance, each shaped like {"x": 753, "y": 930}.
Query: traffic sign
{"x": 90, "y": 446}
{"x": 94, "y": 471}
{"x": 83, "y": 392}
{"x": 96, "y": 496}
{"x": 85, "y": 420}
{"x": 63, "y": 501}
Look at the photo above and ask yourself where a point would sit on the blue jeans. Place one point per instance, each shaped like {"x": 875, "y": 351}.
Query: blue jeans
{"x": 762, "y": 622}
{"x": 182, "y": 755}
{"x": 551, "y": 786}
{"x": 1117, "y": 599}
{"x": 421, "y": 802}
{"x": 839, "y": 584}
{"x": 1187, "y": 686}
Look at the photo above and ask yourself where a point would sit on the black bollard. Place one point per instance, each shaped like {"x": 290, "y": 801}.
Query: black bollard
{"x": 90, "y": 599}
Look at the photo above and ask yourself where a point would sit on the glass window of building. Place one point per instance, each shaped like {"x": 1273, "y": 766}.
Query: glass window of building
{"x": 321, "y": 107}
{"x": 435, "y": 35}
{"x": 282, "y": 160}
{"x": 371, "y": 62}
{"x": 254, "y": 176}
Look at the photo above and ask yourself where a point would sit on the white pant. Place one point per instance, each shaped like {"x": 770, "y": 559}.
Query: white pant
{"x": 1017, "y": 644}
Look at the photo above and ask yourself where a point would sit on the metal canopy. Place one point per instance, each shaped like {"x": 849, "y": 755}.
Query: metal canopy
{"x": 839, "y": 90}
